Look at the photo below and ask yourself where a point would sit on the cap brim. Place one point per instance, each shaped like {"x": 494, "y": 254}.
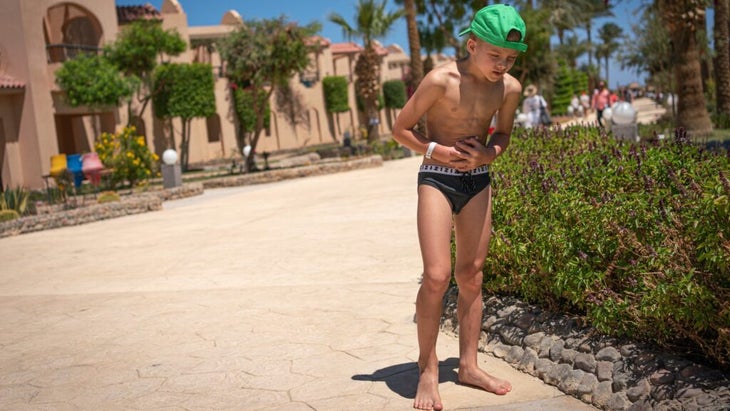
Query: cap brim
{"x": 465, "y": 31}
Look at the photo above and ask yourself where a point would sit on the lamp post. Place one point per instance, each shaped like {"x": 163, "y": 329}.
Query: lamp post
{"x": 624, "y": 121}
{"x": 171, "y": 174}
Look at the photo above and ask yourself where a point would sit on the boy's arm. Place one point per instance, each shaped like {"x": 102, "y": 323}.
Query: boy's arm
{"x": 427, "y": 94}
{"x": 499, "y": 140}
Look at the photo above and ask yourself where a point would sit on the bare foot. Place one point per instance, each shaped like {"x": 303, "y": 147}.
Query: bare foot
{"x": 480, "y": 379}
{"x": 427, "y": 394}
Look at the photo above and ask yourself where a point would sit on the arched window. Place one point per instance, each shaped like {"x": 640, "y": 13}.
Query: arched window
{"x": 70, "y": 29}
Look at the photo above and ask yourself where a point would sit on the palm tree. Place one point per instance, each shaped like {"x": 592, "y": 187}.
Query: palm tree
{"x": 373, "y": 22}
{"x": 571, "y": 50}
{"x": 564, "y": 15}
{"x": 433, "y": 40}
{"x": 608, "y": 33}
{"x": 414, "y": 42}
{"x": 722, "y": 55}
{"x": 681, "y": 17}
{"x": 593, "y": 9}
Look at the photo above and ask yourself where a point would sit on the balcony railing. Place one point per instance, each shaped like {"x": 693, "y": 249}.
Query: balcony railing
{"x": 58, "y": 53}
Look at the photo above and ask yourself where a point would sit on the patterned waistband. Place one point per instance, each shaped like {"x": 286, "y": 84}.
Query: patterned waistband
{"x": 431, "y": 168}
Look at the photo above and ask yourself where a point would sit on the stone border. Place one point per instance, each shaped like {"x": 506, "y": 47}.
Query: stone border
{"x": 608, "y": 373}
{"x": 270, "y": 176}
{"x": 81, "y": 215}
{"x": 128, "y": 205}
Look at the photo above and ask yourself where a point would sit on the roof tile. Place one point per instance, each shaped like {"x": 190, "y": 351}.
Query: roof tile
{"x": 6, "y": 81}
{"x": 128, "y": 14}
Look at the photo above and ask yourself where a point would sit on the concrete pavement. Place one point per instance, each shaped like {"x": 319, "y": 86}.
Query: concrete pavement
{"x": 296, "y": 295}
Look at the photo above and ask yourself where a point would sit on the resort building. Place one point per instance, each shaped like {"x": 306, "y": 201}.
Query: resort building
{"x": 36, "y": 122}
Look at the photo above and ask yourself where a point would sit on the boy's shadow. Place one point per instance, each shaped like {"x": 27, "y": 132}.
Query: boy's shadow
{"x": 402, "y": 379}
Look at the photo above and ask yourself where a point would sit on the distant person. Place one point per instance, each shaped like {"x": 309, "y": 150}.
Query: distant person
{"x": 612, "y": 99}
{"x": 532, "y": 105}
{"x": 600, "y": 101}
{"x": 585, "y": 102}
{"x": 575, "y": 108}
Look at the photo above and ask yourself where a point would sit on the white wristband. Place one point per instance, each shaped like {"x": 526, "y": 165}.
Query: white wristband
{"x": 431, "y": 147}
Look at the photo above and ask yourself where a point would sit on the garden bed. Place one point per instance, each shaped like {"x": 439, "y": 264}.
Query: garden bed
{"x": 607, "y": 372}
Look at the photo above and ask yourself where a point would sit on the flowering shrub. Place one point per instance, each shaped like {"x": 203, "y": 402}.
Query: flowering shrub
{"x": 634, "y": 237}
{"x": 128, "y": 156}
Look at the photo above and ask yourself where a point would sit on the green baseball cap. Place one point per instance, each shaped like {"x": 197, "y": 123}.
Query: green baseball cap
{"x": 493, "y": 23}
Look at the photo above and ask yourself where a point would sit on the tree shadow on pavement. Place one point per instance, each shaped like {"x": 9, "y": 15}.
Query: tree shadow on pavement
{"x": 402, "y": 379}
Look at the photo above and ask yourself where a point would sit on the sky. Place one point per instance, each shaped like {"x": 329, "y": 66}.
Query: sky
{"x": 210, "y": 12}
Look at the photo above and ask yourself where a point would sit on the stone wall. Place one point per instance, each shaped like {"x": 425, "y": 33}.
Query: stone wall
{"x": 606, "y": 372}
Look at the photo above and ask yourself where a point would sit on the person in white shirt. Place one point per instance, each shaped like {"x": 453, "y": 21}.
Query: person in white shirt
{"x": 531, "y": 106}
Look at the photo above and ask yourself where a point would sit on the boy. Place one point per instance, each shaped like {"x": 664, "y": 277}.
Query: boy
{"x": 459, "y": 101}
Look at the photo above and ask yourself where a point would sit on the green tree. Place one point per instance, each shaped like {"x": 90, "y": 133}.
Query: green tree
{"x": 373, "y": 22}
{"x": 681, "y": 18}
{"x": 92, "y": 80}
{"x": 261, "y": 56}
{"x": 564, "y": 15}
{"x": 447, "y": 17}
{"x": 122, "y": 71}
{"x": 609, "y": 34}
{"x": 648, "y": 51}
{"x": 571, "y": 50}
{"x": 590, "y": 10}
{"x": 136, "y": 53}
{"x": 563, "y": 90}
{"x": 185, "y": 91}
{"x": 433, "y": 41}
{"x": 539, "y": 64}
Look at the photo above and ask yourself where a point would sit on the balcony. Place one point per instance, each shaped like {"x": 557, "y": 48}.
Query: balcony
{"x": 58, "y": 53}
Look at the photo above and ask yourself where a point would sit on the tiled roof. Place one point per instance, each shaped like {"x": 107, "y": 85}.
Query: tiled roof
{"x": 351, "y": 47}
{"x": 128, "y": 14}
{"x": 7, "y": 81}
{"x": 318, "y": 40}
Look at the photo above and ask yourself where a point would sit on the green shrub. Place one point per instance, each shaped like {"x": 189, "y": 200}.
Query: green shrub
{"x": 15, "y": 199}
{"x": 335, "y": 94}
{"x": 128, "y": 156}
{"x": 108, "y": 197}
{"x": 7, "y": 215}
{"x": 394, "y": 93}
{"x": 634, "y": 237}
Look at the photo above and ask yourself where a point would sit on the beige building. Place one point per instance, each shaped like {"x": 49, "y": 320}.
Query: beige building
{"x": 37, "y": 36}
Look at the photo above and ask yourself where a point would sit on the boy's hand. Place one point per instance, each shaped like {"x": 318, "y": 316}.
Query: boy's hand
{"x": 471, "y": 154}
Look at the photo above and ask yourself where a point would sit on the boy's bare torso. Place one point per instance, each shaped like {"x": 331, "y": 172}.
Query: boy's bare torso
{"x": 465, "y": 109}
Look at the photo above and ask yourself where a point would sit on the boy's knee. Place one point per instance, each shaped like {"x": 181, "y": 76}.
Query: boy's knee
{"x": 436, "y": 284}
{"x": 469, "y": 276}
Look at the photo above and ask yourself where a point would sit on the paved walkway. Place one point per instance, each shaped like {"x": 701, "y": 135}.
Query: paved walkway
{"x": 646, "y": 109}
{"x": 297, "y": 295}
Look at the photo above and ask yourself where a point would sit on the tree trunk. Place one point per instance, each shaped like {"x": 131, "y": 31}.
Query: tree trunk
{"x": 185, "y": 144}
{"x": 367, "y": 85}
{"x": 414, "y": 43}
{"x": 722, "y": 55}
{"x": 691, "y": 109}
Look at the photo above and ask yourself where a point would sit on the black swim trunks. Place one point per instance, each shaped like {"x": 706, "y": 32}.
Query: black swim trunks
{"x": 458, "y": 187}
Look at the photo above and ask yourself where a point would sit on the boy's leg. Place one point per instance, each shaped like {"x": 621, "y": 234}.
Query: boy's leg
{"x": 434, "y": 235}
{"x": 473, "y": 230}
